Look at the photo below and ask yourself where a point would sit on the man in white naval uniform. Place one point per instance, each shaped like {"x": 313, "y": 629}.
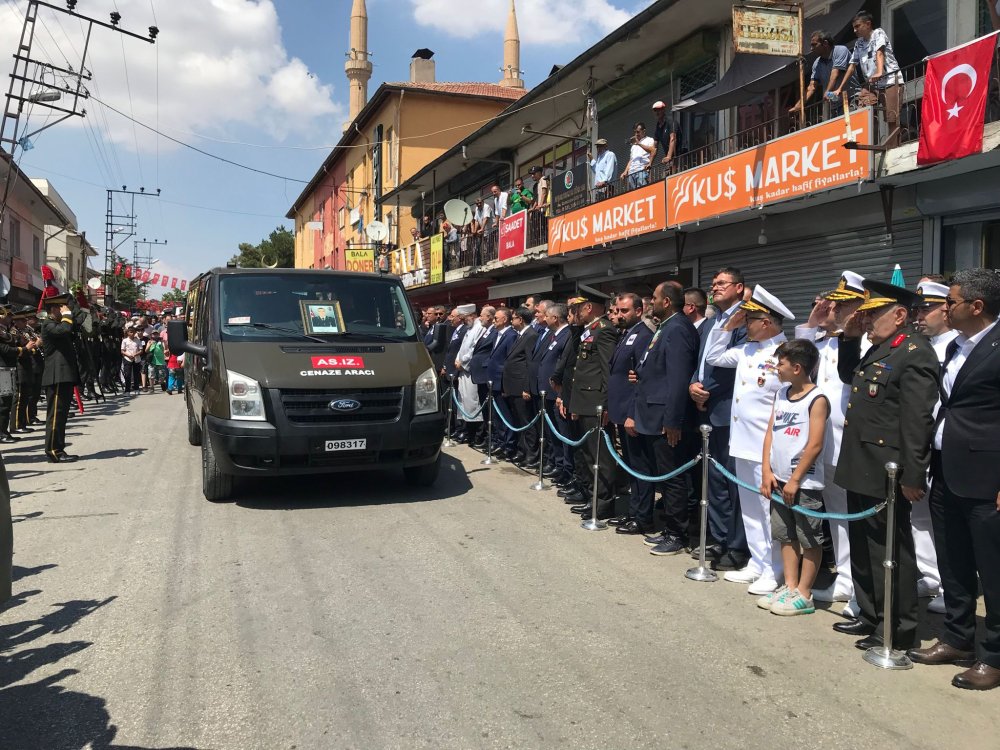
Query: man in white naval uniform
{"x": 753, "y": 401}
{"x": 823, "y": 328}
{"x": 932, "y": 321}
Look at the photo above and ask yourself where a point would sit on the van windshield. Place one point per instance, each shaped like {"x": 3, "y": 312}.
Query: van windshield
{"x": 320, "y": 306}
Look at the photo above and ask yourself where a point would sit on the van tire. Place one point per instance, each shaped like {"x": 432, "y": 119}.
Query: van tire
{"x": 216, "y": 485}
{"x": 422, "y": 476}
{"x": 194, "y": 429}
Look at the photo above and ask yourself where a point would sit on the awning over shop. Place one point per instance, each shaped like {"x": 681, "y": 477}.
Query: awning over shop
{"x": 751, "y": 75}
{"x": 539, "y": 285}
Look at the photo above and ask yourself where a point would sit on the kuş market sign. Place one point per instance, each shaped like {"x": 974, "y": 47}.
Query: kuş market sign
{"x": 761, "y": 30}
{"x": 627, "y": 215}
{"x": 804, "y": 162}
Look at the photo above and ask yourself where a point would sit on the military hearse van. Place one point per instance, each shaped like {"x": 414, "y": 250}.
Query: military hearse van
{"x": 299, "y": 372}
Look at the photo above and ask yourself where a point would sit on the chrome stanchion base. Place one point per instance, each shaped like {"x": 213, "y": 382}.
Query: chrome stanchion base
{"x": 539, "y": 486}
{"x": 594, "y": 524}
{"x": 489, "y": 461}
{"x": 701, "y": 574}
{"x": 449, "y": 443}
{"x": 883, "y": 658}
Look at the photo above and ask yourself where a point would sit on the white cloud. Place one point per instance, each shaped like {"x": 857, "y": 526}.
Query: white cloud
{"x": 553, "y": 22}
{"x": 222, "y": 68}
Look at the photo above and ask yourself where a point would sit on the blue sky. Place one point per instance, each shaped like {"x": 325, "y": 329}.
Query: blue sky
{"x": 256, "y": 72}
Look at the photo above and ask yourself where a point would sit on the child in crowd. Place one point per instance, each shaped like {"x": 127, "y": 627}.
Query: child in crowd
{"x": 793, "y": 446}
{"x": 175, "y": 366}
{"x": 156, "y": 364}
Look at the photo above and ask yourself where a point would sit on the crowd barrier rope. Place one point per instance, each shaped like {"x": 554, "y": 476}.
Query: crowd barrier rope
{"x": 463, "y": 412}
{"x": 511, "y": 427}
{"x": 643, "y": 477}
{"x": 563, "y": 438}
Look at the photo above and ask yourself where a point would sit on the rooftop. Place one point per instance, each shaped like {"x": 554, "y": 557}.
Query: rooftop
{"x": 471, "y": 88}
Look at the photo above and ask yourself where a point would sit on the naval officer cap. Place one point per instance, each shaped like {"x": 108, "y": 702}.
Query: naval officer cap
{"x": 850, "y": 287}
{"x": 763, "y": 301}
{"x": 932, "y": 294}
{"x": 469, "y": 309}
{"x": 882, "y": 293}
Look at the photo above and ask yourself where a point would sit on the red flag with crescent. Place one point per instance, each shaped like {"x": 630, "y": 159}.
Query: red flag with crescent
{"x": 173, "y": 282}
{"x": 184, "y": 285}
{"x": 955, "y": 90}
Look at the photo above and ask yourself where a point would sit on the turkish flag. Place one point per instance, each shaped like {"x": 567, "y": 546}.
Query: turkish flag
{"x": 954, "y": 101}
{"x": 184, "y": 285}
{"x": 173, "y": 282}
{"x": 164, "y": 281}
{"x": 145, "y": 275}
{"x": 128, "y": 272}
{"x": 118, "y": 269}
{"x": 156, "y": 279}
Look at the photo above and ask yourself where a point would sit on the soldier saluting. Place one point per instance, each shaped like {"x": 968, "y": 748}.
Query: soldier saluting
{"x": 61, "y": 373}
{"x": 890, "y": 417}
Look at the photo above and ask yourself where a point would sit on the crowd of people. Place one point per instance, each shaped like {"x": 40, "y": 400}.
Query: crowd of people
{"x": 802, "y": 431}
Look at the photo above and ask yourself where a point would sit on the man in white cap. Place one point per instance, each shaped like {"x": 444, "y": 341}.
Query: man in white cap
{"x": 753, "y": 400}
{"x": 824, "y": 327}
{"x": 667, "y": 134}
{"x": 932, "y": 321}
{"x": 604, "y": 167}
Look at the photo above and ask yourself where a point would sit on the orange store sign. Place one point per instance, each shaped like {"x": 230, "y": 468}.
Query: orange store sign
{"x": 795, "y": 165}
{"x": 627, "y": 215}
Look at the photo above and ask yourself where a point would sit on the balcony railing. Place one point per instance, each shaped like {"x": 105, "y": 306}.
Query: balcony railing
{"x": 475, "y": 250}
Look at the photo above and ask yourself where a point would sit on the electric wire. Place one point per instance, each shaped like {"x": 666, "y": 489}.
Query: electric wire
{"x": 131, "y": 106}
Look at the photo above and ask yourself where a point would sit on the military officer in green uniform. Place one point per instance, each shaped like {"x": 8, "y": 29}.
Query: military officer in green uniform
{"x": 61, "y": 374}
{"x": 890, "y": 417}
{"x": 588, "y": 390}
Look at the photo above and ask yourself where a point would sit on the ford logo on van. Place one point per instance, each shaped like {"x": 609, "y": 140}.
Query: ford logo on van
{"x": 345, "y": 404}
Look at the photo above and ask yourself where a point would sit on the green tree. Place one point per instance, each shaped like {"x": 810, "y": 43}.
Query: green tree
{"x": 277, "y": 248}
{"x": 176, "y": 296}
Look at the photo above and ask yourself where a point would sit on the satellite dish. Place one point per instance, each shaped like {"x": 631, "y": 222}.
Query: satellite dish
{"x": 94, "y": 283}
{"x": 4, "y": 285}
{"x": 377, "y": 231}
{"x": 458, "y": 212}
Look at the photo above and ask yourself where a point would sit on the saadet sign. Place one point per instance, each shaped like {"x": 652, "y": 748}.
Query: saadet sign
{"x": 627, "y": 215}
{"x": 800, "y": 163}
{"x": 513, "y": 236}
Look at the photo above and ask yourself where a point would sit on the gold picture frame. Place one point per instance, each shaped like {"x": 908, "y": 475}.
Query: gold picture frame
{"x": 321, "y": 316}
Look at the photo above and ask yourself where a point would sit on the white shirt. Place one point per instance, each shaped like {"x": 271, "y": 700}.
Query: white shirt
{"x": 753, "y": 390}
{"x": 698, "y": 323}
{"x": 639, "y": 158}
{"x": 951, "y": 370}
{"x": 864, "y": 56}
{"x": 717, "y": 322}
{"x": 501, "y": 205}
{"x": 500, "y": 332}
{"x": 940, "y": 343}
{"x": 469, "y": 343}
{"x": 790, "y": 437}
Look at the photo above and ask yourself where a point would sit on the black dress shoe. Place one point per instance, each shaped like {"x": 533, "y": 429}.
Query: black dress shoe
{"x": 551, "y": 473}
{"x": 582, "y": 510}
{"x": 871, "y": 641}
{"x": 619, "y": 521}
{"x": 731, "y": 561}
{"x": 853, "y": 627}
{"x": 7, "y": 438}
{"x": 61, "y": 458}
{"x": 575, "y": 498}
{"x": 634, "y": 527}
{"x": 530, "y": 466}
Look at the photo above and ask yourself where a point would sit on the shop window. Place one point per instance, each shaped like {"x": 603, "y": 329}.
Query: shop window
{"x": 917, "y": 28}
{"x": 972, "y": 245}
{"x": 36, "y": 252}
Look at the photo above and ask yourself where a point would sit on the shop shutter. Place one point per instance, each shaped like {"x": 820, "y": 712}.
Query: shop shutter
{"x": 618, "y": 127}
{"x": 796, "y": 271}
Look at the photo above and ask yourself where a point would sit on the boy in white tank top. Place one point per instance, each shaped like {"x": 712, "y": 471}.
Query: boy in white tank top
{"x": 793, "y": 469}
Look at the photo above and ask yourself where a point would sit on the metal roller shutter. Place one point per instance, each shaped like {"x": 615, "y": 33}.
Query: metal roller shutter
{"x": 797, "y": 271}
{"x": 617, "y": 128}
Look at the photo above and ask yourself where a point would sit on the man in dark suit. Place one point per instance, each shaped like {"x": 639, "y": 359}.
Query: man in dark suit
{"x": 60, "y": 376}
{"x": 448, "y": 369}
{"x": 631, "y": 346}
{"x": 965, "y": 495}
{"x": 481, "y": 350}
{"x": 534, "y": 358}
{"x": 502, "y": 344}
{"x": 663, "y": 419}
{"x": 711, "y": 390}
{"x": 890, "y": 417}
{"x": 435, "y": 318}
{"x": 588, "y": 390}
{"x": 562, "y": 381}
{"x": 516, "y": 388}
{"x": 550, "y": 353}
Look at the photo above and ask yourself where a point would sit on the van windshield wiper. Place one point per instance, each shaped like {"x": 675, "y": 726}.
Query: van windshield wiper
{"x": 283, "y": 329}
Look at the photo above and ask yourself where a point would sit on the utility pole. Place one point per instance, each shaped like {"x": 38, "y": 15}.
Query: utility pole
{"x": 116, "y": 225}
{"x": 28, "y": 84}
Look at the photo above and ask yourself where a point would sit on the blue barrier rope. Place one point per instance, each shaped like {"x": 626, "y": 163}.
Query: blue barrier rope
{"x": 511, "y": 427}
{"x": 798, "y": 508}
{"x": 642, "y": 477}
{"x": 463, "y": 412}
{"x": 564, "y": 439}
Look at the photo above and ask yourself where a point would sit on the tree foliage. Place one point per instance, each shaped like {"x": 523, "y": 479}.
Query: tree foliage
{"x": 175, "y": 296}
{"x": 124, "y": 290}
{"x": 278, "y": 247}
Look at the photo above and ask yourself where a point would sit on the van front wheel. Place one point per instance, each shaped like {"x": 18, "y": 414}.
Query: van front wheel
{"x": 216, "y": 485}
{"x": 422, "y": 476}
{"x": 194, "y": 429}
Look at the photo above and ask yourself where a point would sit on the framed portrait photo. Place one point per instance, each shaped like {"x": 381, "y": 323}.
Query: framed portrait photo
{"x": 321, "y": 316}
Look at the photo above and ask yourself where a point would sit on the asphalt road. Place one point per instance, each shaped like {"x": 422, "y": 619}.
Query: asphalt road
{"x": 353, "y": 612}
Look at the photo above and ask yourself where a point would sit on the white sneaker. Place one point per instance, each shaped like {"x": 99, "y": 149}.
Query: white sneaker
{"x": 762, "y": 586}
{"x": 831, "y": 594}
{"x": 743, "y": 575}
{"x": 927, "y": 592}
{"x": 851, "y": 610}
{"x": 936, "y": 605}
{"x": 766, "y": 601}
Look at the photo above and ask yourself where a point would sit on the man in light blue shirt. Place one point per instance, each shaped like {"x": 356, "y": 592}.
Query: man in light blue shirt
{"x": 604, "y": 167}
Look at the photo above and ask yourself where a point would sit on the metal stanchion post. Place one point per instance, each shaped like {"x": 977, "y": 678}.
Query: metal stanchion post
{"x": 488, "y": 461}
{"x": 594, "y": 524}
{"x": 540, "y": 484}
{"x": 703, "y": 572}
{"x": 884, "y": 656}
{"x": 448, "y": 442}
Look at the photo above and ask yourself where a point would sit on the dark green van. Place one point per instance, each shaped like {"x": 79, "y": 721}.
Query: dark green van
{"x": 294, "y": 371}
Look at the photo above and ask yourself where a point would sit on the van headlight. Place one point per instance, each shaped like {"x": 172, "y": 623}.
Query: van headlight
{"x": 246, "y": 398}
{"x": 425, "y": 399}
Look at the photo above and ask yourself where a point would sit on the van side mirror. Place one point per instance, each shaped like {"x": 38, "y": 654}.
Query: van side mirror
{"x": 439, "y": 342}
{"x": 177, "y": 340}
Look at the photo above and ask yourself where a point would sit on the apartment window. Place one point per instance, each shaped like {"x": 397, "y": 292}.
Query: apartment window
{"x": 917, "y": 28}
{"x": 342, "y": 218}
{"x": 15, "y": 238}
{"x": 36, "y": 251}
{"x": 390, "y": 140}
